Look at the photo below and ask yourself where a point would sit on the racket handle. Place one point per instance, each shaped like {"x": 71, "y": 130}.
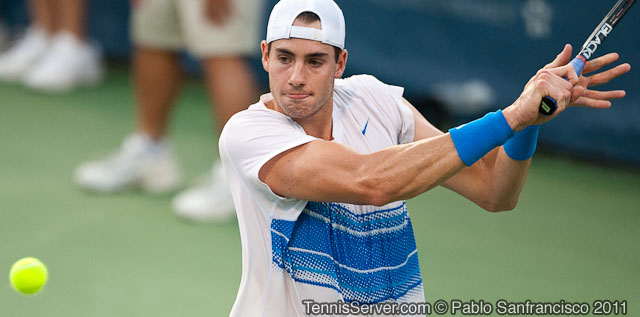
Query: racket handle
{"x": 549, "y": 105}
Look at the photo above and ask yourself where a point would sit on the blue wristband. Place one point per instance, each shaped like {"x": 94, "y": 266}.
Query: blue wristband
{"x": 476, "y": 138}
{"x": 522, "y": 146}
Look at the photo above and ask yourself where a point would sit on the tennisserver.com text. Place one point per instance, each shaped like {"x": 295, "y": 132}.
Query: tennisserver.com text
{"x": 472, "y": 307}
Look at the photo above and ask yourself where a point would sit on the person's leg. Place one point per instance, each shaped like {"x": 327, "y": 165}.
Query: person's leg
{"x": 230, "y": 84}
{"x": 18, "y": 60}
{"x": 222, "y": 50}
{"x": 42, "y": 13}
{"x": 71, "y": 60}
{"x": 157, "y": 80}
{"x": 145, "y": 160}
{"x": 71, "y": 17}
{"x": 231, "y": 87}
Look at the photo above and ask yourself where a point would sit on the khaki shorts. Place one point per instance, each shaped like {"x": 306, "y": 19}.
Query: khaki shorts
{"x": 182, "y": 24}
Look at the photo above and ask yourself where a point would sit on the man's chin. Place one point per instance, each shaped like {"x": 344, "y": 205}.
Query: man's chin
{"x": 297, "y": 114}
{"x": 297, "y": 111}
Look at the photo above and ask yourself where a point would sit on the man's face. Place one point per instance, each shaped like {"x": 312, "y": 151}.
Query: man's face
{"x": 301, "y": 73}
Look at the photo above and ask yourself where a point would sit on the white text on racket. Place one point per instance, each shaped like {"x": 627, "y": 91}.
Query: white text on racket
{"x": 593, "y": 44}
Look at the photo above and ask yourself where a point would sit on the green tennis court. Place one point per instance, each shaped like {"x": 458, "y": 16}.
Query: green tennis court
{"x": 573, "y": 237}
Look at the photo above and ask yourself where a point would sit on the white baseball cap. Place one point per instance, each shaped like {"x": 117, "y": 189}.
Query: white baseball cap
{"x": 280, "y": 24}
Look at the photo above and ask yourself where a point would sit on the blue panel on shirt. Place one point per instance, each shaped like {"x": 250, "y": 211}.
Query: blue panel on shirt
{"x": 369, "y": 257}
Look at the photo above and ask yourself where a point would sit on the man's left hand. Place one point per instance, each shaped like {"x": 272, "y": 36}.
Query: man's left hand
{"x": 582, "y": 95}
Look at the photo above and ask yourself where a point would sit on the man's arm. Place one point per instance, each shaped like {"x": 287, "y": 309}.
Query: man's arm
{"x": 327, "y": 171}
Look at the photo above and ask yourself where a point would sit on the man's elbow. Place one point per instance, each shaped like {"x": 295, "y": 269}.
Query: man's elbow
{"x": 506, "y": 205}
{"x": 374, "y": 192}
{"x": 378, "y": 196}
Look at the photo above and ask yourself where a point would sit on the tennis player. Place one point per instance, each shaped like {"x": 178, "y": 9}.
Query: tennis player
{"x": 320, "y": 167}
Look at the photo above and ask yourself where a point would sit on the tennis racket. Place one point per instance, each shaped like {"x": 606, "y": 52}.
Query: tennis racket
{"x": 548, "y": 105}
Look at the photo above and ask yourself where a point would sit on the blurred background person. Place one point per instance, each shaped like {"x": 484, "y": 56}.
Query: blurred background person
{"x": 220, "y": 33}
{"x": 54, "y": 54}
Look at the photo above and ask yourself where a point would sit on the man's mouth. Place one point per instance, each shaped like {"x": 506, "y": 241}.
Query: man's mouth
{"x": 297, "y": 96}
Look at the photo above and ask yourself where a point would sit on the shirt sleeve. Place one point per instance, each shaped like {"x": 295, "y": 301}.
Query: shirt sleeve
{"x": 388, "y": 100}
{"x": 251, "y": 138}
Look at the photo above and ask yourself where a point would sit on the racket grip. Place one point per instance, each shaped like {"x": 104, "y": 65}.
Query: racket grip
{"x": 548, "y": 105}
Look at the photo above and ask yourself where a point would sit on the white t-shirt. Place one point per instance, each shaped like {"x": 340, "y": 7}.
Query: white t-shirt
{"x": 294, "y": 250}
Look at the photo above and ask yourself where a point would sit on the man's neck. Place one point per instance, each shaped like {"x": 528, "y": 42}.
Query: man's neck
{"x": 319, "y": 124}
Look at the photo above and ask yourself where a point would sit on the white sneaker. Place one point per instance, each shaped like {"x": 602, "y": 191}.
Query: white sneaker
{"x": 209, "y": 201}
{"x": 17, "y": 60}
{"x": 68, "y": 64}
{"x": 139, "y": 163}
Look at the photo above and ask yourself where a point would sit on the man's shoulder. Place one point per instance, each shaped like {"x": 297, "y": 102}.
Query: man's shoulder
{"x": 365, "y": 86}
{"x": 358, "y": 81}
{"x": 255, "y": 115}
{"x": 256, "y": 122}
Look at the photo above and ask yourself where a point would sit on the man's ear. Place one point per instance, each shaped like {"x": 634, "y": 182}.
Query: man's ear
{"x": 264, "y": 48}
{"x": 342, "y": 64}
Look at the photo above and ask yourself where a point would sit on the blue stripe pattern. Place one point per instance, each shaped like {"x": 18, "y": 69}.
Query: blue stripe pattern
{"x": 367, "y": 257}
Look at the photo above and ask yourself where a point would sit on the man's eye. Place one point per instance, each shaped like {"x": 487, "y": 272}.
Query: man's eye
{"x": 315, "y": 63}
{"x": 284, "y": 59}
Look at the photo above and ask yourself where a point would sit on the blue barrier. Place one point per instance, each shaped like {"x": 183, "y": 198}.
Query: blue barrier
{"x": 474, "y": 55}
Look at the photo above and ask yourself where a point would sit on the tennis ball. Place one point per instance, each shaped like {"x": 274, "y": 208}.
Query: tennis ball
{"x": 28, "y": 275}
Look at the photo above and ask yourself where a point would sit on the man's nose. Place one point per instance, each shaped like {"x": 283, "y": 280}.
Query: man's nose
{"x": 297, "y": 77}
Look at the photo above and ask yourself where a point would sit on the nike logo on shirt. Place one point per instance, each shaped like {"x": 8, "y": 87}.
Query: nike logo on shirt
{"x": 365, "y": 127}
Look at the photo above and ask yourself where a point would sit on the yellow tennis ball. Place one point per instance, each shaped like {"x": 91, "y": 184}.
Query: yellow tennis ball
{"x": 28, "y": 275}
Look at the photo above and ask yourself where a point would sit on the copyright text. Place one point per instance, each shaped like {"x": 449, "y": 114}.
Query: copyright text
{"x": 471, "y": 307}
